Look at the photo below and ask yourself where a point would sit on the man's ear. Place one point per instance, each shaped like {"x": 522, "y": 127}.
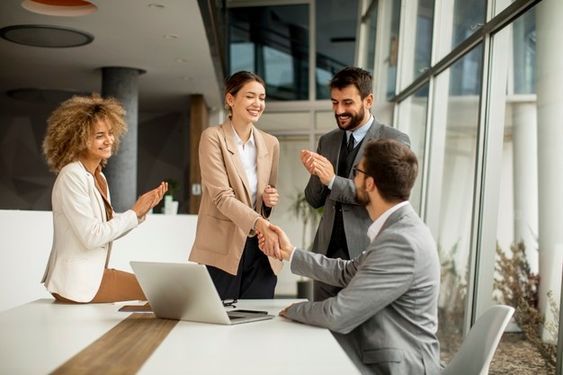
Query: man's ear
{"x": 368, "y": 101}
{"x": 370, "y": 183}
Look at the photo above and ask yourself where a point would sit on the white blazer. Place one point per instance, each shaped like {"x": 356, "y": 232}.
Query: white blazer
{"x": 82, "y": 237}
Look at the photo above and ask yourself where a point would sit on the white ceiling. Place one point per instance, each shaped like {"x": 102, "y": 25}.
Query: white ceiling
{"x": 128, "y": 33}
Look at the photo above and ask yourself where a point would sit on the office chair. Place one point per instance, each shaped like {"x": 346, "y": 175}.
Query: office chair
{"x": 477, "y": 350}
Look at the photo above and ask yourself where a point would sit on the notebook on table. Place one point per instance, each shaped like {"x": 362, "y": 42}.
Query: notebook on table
{"x": 185, "y": 291}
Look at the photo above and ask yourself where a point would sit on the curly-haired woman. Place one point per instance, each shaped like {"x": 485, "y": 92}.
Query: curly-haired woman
{"x": 82, "y": 134}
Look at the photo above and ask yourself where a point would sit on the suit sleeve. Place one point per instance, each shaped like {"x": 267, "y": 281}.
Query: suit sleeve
{"x": 216, "y": 180}
{"x": 77, "y": 207}
{"x": 384, "y": 273}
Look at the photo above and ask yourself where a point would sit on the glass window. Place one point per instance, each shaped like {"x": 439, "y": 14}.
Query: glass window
{"x": 371, "y": 39}
{"x": 412, "y": 121}
{"x": 335, "y": 40}
{"x": 468, "y": 17}
{"x": 273, "y": 42}
{"x": 457, "y": 194}
{"x": 524, "y": 36}
{"x": 423, "y": 44}
{"x": 519, "y": 233}
{"x": 393, "y": 49}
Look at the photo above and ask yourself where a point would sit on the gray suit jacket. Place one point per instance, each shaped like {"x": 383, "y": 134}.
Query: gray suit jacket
{"x": 386, "y": 317}
{"x": 355, "y": 217}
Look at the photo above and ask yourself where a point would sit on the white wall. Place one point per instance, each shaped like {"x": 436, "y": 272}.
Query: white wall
{"x": 26, "y": 237}
{"x": 26, "y": 242}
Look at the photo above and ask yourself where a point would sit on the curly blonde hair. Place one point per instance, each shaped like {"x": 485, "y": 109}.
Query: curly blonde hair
{"x": 70, "y": 126}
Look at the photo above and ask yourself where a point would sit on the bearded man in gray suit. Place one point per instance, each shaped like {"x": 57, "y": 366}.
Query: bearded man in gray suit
{"x": 342, "y": 229}
{"x": 386, "y": 315}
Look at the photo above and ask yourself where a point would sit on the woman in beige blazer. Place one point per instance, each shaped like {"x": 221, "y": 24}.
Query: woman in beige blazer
{"x": 239, "y": 167}
{"x": 82, "y": 134}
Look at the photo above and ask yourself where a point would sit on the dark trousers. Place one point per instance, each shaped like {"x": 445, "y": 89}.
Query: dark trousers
{"x": 254, "y": 279}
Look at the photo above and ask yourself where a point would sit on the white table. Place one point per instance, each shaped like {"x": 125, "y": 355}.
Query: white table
{"x": 37, "y": 337}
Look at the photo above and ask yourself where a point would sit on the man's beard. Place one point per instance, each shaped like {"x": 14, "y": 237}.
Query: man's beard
{"x": 355, "y": 120}
{"x": 362, "y": 196}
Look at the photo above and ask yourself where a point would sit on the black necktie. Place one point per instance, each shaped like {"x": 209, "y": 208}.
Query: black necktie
{"x": 350, "y": 145}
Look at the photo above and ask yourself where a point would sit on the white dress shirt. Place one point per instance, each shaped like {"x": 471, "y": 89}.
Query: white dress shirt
{"x": 247, "y": 152}
{"x": 376, "y": 226}
{"x": 358, "y": 135}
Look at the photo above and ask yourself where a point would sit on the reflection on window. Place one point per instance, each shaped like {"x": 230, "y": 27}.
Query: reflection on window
{"x": 423, "y": 44}
{"x": 393, "y": 56}
{"x": 524, "y": 30}
{"x": 274, "y": 43}
{"x": 456, "y": 206}
{"x": 469, "y": 16}
{"x": 372, "y": 33}
{"x": 335, "y": 41}
{"x": 412, "y": 121}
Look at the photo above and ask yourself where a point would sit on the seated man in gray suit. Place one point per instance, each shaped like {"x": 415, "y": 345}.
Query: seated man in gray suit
{"x": 386, "y": 315}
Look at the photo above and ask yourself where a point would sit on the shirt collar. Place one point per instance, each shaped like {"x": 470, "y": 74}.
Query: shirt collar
{"x": 239, "y": 141}
{"x": 361, "y": 132}
{"x": 376, "y": 226}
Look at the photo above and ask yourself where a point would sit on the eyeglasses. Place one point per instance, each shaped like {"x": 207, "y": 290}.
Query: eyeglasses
{"x": 230, "y": 302}
{"x": 355, "y": 171}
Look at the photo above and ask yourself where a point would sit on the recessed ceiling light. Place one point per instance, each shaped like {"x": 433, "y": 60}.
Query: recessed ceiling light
{"x": 181, "y": 60}
{"x": 156, "y": 6}
{"x": 64, "y": 8}
{"x": 46, "y": 36}
{"x": 170, "y": 36}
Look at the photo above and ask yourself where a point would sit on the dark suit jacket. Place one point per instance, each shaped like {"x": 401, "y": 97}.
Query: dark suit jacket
{"x": 355, "y": 217}
{"x": 386, "y": 317}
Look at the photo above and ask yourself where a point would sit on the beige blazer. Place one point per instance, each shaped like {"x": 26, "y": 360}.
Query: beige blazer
{"x": 226, "y": 216}
{"x": 82, "y": 237}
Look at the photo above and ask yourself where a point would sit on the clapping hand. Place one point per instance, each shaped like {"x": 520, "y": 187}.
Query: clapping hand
{"x": 318, "y": 165}
{"x": 150, "y": 199}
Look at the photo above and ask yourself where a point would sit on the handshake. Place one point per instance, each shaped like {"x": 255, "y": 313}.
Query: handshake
{"x": 273, "y": 242}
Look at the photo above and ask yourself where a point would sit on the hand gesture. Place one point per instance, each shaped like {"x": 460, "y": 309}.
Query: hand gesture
{"x": 285, "y": 246}
{"x": 270, "y": 196}
{"x": 323, "y": 168}
{"x": 308, "y": 160}
{"x": 150, "y": 199}
{"x": 270, "y": 245}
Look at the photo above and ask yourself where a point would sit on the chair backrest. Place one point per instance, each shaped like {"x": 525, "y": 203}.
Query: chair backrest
{"x": 477, "y": 350}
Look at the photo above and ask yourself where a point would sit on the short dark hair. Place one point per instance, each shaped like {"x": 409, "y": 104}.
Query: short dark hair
{"x": 235, "y": 82}
{"x": 352, "y": 75}
{"x": 393, "y": 166}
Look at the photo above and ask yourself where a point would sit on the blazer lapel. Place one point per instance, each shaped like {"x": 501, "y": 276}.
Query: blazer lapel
{"x": 233, "y": 150}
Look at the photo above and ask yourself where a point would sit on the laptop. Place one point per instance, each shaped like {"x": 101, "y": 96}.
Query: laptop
{"x": 185, "y": 291}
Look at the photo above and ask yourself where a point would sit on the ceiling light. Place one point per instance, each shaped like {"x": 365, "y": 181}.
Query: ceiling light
{"x": 181, "y": 60}
{"x": 64, "y": 8}
{"x": 156, "y": 6}
{"x": 170, "y": 36}
{"x": 45, "y": 36}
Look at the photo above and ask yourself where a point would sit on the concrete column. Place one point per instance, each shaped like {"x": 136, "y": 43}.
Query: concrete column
{"x": 525, "y": 177}
{"x": 549, "y": 57}
{"x": 121, "y": 171}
